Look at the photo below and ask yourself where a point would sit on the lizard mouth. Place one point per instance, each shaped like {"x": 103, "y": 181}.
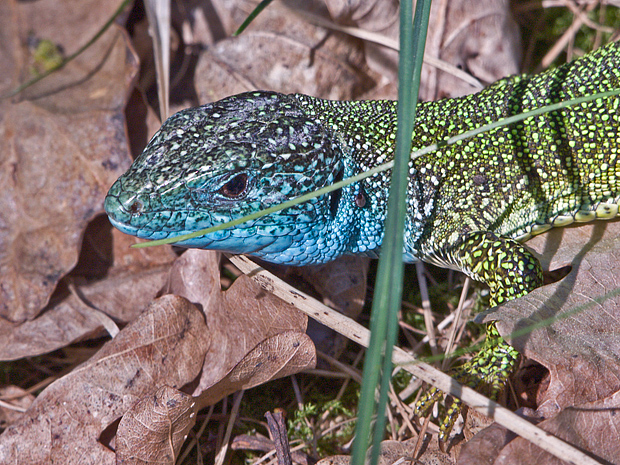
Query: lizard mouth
{"x": 124, "y": 227}
{"x": 121, "y": 220}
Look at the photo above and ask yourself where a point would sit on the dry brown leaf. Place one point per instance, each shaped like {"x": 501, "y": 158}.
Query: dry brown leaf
{"x": 282, "y": 355}
{"x": 377, "y": 16}
{"x": 67, "y": 419}
{"x": 134, "y": 280}
{"x": 254, "y": 337}
{"x": 155, "y": 428}
{"x": 75, "y": 318}
{"x": 282, "y": 52}
{"x": 591, "y": 426}
{"x": 300, "y": 69}
{"x": 485, "y": 446}
{"x": 582, "y": 348}
{"x": 477, "y": 36}
{"x": 64, "y": 144}
{"x": 244, "y": 337}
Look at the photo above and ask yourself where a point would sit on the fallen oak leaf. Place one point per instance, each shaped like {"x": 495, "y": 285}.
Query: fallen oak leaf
{"x": 577, "y": 338}
{"x": 248, "y": 337}
{"x": 254, "y": 337}
{"x": 282, "y": 355}
{"x": 590, "y": 426}
{"x": 329, "y": 65}
{"x": 239, "y": 319}
{"x": 571, "y": 328}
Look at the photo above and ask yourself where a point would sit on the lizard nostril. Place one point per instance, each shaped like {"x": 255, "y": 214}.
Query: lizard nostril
{"x": 136, "y": 207}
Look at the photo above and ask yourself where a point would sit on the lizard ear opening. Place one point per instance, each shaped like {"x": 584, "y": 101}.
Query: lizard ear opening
{"x": 335, "y": 196}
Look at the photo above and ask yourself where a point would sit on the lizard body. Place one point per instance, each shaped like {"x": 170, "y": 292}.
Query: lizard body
{"x": 469, "y": 204}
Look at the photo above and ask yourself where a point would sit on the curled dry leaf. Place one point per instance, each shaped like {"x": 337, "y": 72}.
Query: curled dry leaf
{"x": 64, "y": 423}
{"x": 244, "y": 337}
{"x": 155, "y": 428}
{"x": 253, "y": 337}
{"x": 245, "y": 323}
{"x": 64, "y": 144}
{"x": 281, "y": 355}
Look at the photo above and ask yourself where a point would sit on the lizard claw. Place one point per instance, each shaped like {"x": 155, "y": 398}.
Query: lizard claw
{"x": 487, "y": 372}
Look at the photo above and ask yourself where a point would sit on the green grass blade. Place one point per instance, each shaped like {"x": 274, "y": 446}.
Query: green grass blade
{"x": 255, "y": 12}
{"x": 388, "y": 286}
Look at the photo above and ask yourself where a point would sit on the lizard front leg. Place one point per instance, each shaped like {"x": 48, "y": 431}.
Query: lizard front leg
{"x": 510, "y": 271}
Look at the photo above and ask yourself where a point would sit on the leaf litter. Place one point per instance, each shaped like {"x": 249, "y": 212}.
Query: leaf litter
{"x": 64, "y": 144}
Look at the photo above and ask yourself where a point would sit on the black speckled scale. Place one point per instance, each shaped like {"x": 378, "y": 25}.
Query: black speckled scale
{"x": 469, "y": 204}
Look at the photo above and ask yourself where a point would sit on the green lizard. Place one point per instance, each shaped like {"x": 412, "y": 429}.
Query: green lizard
{"x": 469, "y": 204}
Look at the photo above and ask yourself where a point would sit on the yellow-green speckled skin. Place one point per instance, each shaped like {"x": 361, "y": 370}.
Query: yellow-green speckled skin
{"x": 515, "y": 181}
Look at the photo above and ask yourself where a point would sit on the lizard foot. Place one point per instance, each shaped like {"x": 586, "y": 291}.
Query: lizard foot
{"x": 487, "y": 372}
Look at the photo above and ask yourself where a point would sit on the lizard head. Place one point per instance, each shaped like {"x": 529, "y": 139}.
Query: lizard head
{"x": 212, "y": 164}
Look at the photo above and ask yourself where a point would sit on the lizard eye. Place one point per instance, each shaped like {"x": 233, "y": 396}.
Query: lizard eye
{"x": 236, "y": 187}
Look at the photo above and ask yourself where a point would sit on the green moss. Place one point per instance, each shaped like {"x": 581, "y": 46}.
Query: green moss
{"x": 46, "y": 56}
